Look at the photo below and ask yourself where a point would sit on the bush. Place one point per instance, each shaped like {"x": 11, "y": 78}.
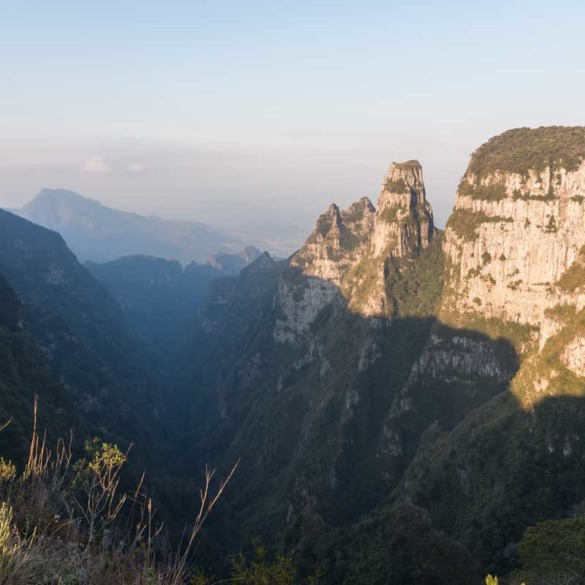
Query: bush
{"x": 69, "y": 522}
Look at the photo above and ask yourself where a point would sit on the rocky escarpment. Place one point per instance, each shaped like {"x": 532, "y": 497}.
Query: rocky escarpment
{"x": 517, "y": 228}
{"x": 404, "y": 218}
{"x": 386, "y": 361}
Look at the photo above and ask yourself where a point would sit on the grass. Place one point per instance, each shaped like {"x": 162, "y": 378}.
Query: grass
{"x": 67, "y": 521}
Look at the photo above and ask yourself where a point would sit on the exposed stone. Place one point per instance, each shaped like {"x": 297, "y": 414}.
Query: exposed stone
{"x": 573, "y": 356}
{"x": 349, "y": 248}
{"x": 507, "y": 251}
{"x": 298, "y": 313}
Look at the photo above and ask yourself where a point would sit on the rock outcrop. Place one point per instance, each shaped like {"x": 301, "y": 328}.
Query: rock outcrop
{"x": 404, "y": 218}
{"x": 517, "y": 227}
{"x": 351, "y": 249}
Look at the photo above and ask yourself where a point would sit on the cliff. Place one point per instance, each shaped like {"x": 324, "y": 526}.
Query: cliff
{"x": 517, "y": 227}
{"x": 390, "y": 362}
{"x": 356, "y": 249}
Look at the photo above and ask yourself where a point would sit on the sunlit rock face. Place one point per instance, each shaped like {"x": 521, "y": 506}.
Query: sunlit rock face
{"x": 404, "y": 218}
{"x": 340, "y": 240}
{"x": 350, "y": 248}
{"x": 573, "y": 356}
{"x": 517, "y": 227}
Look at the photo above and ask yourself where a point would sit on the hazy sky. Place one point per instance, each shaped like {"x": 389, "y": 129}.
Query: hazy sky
{"x": 261, "y": 113}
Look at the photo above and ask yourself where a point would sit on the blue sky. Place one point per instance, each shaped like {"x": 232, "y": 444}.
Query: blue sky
{"x": 257, "y": 114}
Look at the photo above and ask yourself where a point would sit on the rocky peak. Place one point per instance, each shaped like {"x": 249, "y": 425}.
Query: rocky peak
{"x": 404, "y": 220}
{"x": 351, "y": 248}
{"x": 403, "y": 184}
{"x": 339, "y": 240}
{"x": 400, "y": 227}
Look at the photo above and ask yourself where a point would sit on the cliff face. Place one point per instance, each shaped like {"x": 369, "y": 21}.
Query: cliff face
{"x": 389, "y": 360}
{"x": 515, "y": 231}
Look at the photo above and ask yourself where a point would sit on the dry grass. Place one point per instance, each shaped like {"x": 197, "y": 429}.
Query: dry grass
{"x": 66, "y": 522}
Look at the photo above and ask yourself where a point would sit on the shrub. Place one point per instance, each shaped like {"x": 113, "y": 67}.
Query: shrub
{"x": 69, "y": 522}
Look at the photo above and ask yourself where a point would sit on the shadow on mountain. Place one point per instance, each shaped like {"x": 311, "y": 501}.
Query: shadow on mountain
{"x": 357, "y": 420}
{"x": 327, "y": 424}
{"x": 386, "y": 447}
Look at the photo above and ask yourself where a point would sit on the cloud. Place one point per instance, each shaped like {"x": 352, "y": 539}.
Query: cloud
{"x": 96, "y": 164}
{"x": 135, "y": 168}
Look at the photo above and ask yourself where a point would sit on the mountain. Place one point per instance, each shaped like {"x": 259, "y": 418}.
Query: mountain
{"x": 407, "y": 402}
{"x": 159, "y": 298}
{"x": 111, "y": 378}
{"x": 299, "y": 366}
{"x": 232, "y": 264}
{"x": 101, "y": 234}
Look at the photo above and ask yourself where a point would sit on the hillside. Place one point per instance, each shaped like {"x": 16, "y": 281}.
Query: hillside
{"x": 407, "y": 404}
{"x": 24, "y": 373}
{"x": 159, "y": 299}
{"x": 112, "y": 379}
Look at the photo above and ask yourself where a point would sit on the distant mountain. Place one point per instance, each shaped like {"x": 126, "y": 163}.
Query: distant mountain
{"x": 160, "y": 299}
{"x": 231, "y": 264}
{"x": 99, "y": 233}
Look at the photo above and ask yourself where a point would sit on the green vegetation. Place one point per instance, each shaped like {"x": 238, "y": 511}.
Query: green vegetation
{"x": 515, "y": 284}
{"x": 465, "y": 223}
{"x": 564, "y": 313}
{"x": 390, "y": 213}
{"x": 522, "y": 337}
{"x": 408, "y": 165}
{"x": 493, "y": 192}
{"x": 524, "y": 149}
{"x": 398, "y": 186}
{"x": 67, "y": 521}
{"x": 530, "y": 197}
{"x": 348, "y": 240}
{"x": 357, "y": 211}
{"x": 573, "y": 278}
{"x": 262, "y": 570}
{"x": 553, "y": 552}
{"x": 414, "y": 288}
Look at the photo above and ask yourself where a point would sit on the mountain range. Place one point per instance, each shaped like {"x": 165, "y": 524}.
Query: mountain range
{"x": 407, "y": 404}
{"x": 101, "y": 234}
{"x": 394, "y": 390}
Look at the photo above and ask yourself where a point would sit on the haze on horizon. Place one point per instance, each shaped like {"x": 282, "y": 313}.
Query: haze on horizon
{"x": 257, "y": 115}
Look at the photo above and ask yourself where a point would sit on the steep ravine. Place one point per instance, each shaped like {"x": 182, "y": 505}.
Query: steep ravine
{"x": 404, "y": 401}
{"x": 388, "y": 362}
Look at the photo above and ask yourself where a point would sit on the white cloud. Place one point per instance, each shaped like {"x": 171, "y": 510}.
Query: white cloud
{"x": 96, "y": 164}
{"x": 136, "y": 168}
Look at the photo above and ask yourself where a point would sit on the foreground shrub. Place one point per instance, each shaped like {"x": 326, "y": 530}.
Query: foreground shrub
{"x": 67, "y": 522}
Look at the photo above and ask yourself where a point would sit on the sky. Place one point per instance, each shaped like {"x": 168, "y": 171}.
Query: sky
{"x": 257, "y": 115}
